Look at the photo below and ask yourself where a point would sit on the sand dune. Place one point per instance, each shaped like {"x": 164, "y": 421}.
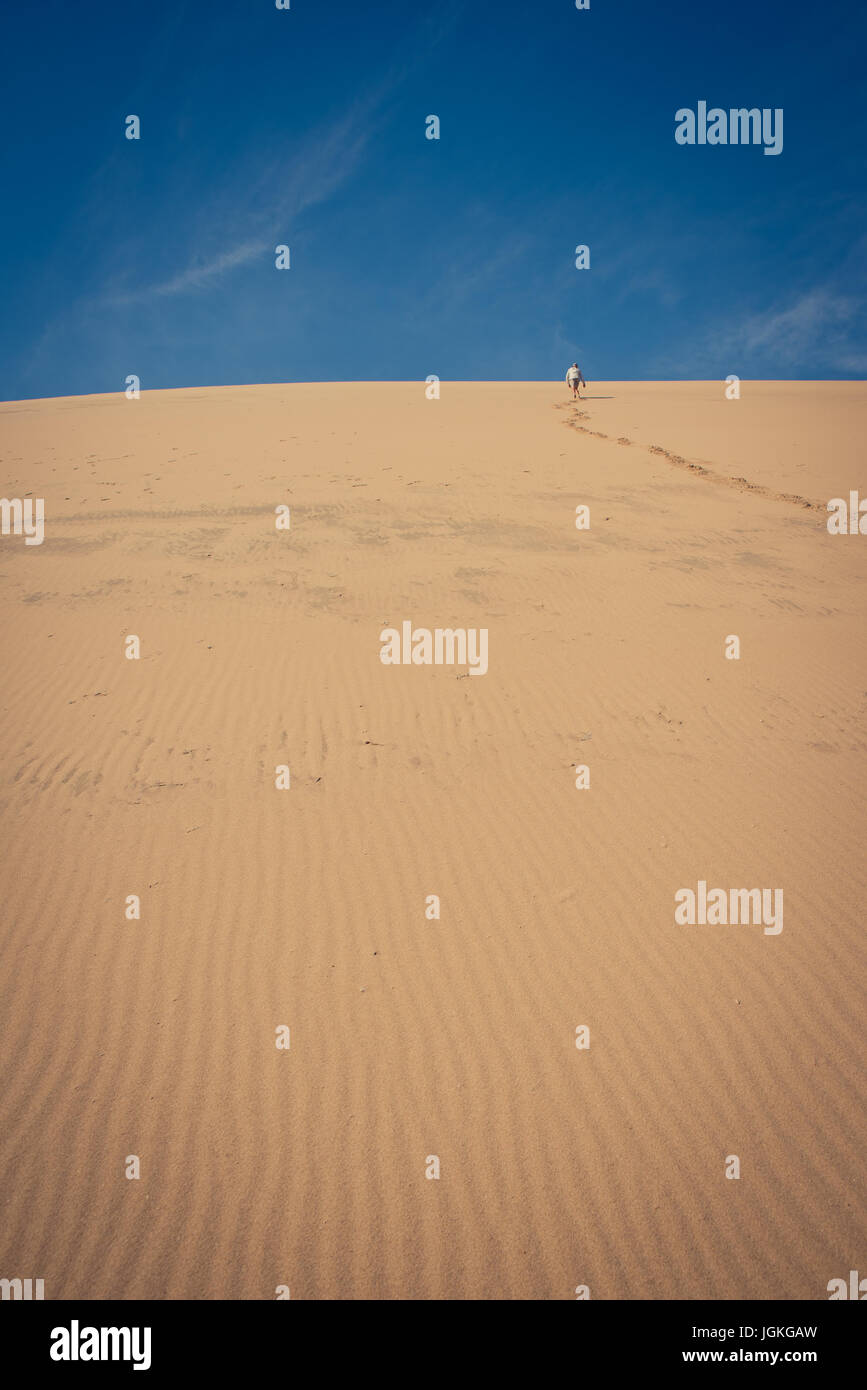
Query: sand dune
{"x": 412, "y": 1037}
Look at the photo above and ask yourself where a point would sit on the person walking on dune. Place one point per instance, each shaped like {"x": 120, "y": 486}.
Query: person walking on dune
{"x": 575, "y": 378}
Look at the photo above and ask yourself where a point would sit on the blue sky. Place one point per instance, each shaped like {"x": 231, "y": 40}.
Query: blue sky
{"x": 412, "y": 256}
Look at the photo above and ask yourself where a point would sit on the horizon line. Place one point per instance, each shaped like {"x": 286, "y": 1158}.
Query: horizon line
{"x": 452, "y": 381}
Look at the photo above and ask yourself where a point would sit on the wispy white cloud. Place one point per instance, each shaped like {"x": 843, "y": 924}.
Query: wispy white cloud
{"x": 195, "y": 275}
{"x": 257, "y": 203}
{"x": 817, "y": 322}
{"x": 258, "y": 219}
{"x": 816, "y": 331}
